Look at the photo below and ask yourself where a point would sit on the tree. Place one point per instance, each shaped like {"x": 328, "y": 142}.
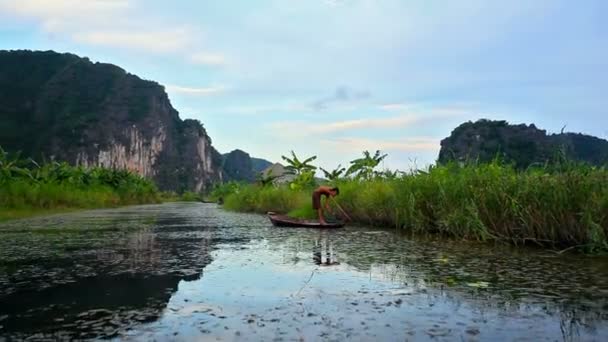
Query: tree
{"x": 303, "y": 170}
{"x": 363, "y": 168}
{"x": 297, "y": 167}
{"x": 334, "y": 174}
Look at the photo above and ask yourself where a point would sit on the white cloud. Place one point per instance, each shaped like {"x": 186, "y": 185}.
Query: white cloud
{"x": 301, "y": 128}
{"x": 395, "y": 107}
{"x": 64, "y": 9}
{"x": 66, "y": 16}
{"x": 210, "y": 59}
{"x": 152, "y": 41}
{"x": 204, "y": 91}
{"x": 415, "y": 144}
{"x": 334, "y": 3}
{"x": 398, "y": 121}
{"x": 112, "y": 23}
{"x": 266, "y": 109}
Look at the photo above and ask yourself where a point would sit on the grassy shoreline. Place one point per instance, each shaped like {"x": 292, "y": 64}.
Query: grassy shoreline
{"x": 28, "y": 200}
{"x": 29, "y": 189}
{"x": 556, "y": 208}
{"x": 7, "y": 214}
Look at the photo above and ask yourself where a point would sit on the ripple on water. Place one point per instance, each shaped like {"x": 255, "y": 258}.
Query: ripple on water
{"x": 193, "y": 271}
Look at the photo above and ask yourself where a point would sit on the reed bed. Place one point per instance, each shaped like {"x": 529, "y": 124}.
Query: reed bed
{"x": 559, "y": 206}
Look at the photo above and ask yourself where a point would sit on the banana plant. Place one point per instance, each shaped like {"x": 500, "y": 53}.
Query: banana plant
{"x": 363, "y": 168}
{"x": 389, "y": 174}
{"x": 10, "y": 168}
{"x": 335, "y": 174}
{"x": 297, "y": 167}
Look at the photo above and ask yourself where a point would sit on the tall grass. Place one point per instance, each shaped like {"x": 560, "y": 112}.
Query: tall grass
{"x": 254, "y": 198}
{"x": 26, "y": 185}
{"x": 556, "y": 207}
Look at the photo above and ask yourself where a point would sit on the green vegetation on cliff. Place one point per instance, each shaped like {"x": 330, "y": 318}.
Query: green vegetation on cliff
{"x": 239, "y": 166}
{"x": 67, "y": 108}
{"x": 521, "y": 145}
{"x": 47, "y": 97}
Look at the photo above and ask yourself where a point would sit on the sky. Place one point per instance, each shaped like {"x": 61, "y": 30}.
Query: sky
{"x": 332, "y": 78}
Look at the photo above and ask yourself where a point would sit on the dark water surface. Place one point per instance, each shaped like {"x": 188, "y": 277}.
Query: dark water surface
{"x": 189, "y": 271}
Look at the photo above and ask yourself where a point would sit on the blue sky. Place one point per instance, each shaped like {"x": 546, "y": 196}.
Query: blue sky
{"x": 336, "y": 77}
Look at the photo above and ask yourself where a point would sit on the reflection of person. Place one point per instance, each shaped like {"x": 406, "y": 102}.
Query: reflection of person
{"x": 318, "y": 251}
{"x": 317, "y": 257}
{"x": 316, "y": 200}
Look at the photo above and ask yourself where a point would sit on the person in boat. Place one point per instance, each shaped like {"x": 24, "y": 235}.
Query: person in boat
{"x": 328, "y": 192}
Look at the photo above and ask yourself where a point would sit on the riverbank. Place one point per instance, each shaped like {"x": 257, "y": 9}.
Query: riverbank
{"x": 31, "y": 200}
{"x": 13, "y": 214}
{"x": 68, "y": 200}
{"x": 19, "y": 200}
{"x": 29, "y": 189}
{"x": 552, "y": 207}
{"x": 7, "y": 214}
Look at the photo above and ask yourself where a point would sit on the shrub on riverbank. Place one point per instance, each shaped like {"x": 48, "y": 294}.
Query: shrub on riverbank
{"x": 558, "y": 207}
{"x": 25, "y": 185}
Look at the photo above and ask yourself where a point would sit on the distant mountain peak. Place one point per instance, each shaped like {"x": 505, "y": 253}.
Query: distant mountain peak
{"x": 523, "y": 145}
{"x": 240, "y": 166}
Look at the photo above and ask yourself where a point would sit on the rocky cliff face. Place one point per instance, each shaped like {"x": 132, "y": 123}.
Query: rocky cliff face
{"x": 238, "y": 166}
{"x": 522, "y": 145}
{"x": 63, "y": 107}
{"x": 259, "y": 164}
{"x": 582, "y": 147}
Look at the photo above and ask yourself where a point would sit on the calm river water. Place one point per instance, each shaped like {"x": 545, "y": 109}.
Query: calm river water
{"x": 191, "y": 272}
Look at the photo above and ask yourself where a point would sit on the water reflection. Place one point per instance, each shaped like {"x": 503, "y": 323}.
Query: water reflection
{"x": 323, "y": 253}
{"x": 91, "y": 307}
{"x": 193, "y": 271}
{"x": 565, "y": 297}
{"x": 91, "y": 278}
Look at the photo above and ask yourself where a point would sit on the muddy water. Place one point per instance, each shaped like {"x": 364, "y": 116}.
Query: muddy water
{"x": 186, "y": 271}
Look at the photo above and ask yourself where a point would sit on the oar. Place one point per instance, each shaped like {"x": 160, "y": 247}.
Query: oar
{"x": 342, "y": 210}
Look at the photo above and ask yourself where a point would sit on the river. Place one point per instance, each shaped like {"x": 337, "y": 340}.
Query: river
{"x": 192, "y": 271}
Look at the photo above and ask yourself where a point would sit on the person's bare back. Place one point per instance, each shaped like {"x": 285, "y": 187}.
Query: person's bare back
{"x": 328, "y": 192}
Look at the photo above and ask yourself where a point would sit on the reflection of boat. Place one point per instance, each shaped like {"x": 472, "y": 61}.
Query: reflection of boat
{"x": 286, "y": 221}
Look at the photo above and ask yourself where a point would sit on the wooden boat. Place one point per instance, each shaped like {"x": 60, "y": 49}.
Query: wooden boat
{"x": 286, "y": 221}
